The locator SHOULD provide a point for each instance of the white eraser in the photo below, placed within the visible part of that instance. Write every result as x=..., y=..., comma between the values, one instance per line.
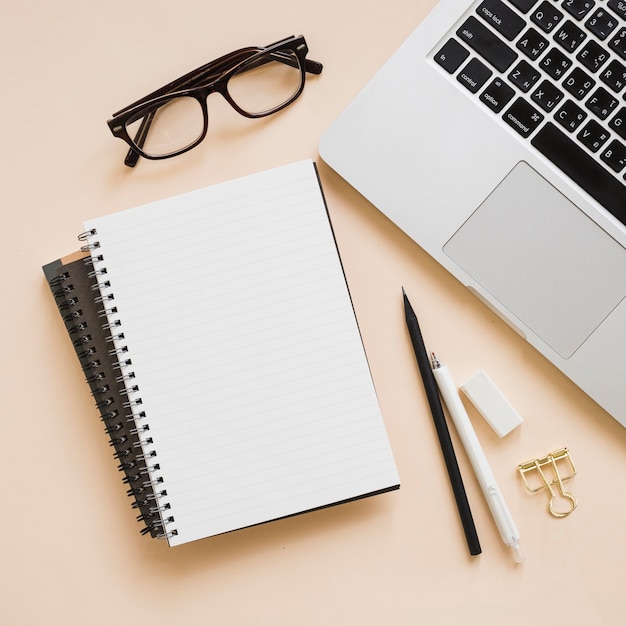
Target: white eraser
x=491, y=404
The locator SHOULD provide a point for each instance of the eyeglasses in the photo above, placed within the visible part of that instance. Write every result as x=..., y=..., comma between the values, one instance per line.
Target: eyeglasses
x=255, y=81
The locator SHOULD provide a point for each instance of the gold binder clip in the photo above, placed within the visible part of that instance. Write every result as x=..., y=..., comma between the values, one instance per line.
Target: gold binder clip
x=553, y=470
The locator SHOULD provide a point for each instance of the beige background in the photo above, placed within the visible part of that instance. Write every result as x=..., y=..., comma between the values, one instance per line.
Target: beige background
x=70, y=547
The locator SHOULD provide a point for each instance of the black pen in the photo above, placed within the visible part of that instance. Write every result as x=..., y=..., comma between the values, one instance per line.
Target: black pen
x=432, y=393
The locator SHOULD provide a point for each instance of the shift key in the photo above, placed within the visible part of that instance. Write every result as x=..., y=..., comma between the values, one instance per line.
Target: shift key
x=487, y=44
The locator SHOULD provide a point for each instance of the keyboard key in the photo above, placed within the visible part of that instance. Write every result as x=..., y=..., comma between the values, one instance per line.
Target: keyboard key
x=593, y=56
x=619, y=6
x=474, y=75
x=487, y=44
x=532, y=44
x=497, y=95
x=601, y=23
x=524, y=75
x=547, y=96
x=523, y=5
x=546, y=16
x=614, y=75
x=523, y=117
x=451, y=56
x=569, y=36
x=578, y=8
x=618, y=43
x=578, y=83
x=593, y=135
x=602, y=103
x=504, y=20
x=570, y=116
x=555, y=63
x=618, y=123
x=568, y=156
x=614, y=155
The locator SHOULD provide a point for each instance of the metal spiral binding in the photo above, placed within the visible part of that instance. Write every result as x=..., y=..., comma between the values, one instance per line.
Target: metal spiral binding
x=75, y=285
x=126, y=423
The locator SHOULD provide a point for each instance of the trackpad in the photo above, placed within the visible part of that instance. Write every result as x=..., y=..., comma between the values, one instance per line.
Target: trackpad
x=543, y=259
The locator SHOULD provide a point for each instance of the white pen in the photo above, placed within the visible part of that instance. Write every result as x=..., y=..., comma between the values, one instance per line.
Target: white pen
x=486, y=479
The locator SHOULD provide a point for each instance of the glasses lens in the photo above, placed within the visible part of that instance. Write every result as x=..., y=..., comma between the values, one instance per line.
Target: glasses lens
x=167, y=127
x=267, y=83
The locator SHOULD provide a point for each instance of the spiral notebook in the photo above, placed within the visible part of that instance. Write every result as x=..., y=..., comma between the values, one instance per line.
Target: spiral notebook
x=218, y=337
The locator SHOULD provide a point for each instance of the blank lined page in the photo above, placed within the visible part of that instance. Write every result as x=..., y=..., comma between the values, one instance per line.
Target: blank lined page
x=247, y=362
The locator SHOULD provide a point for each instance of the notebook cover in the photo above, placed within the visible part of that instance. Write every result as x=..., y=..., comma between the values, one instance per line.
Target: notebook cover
x=75, y=292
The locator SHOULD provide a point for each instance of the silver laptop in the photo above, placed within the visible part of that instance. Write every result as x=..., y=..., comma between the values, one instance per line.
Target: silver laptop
x=495, y=137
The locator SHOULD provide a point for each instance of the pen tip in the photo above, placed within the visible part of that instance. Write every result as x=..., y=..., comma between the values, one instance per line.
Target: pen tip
x=408, y=309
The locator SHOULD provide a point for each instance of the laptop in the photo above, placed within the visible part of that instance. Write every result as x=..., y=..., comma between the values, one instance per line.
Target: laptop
x=495, y=137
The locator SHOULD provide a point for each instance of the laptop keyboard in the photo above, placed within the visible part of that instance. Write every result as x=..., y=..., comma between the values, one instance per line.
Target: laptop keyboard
x=555, y=73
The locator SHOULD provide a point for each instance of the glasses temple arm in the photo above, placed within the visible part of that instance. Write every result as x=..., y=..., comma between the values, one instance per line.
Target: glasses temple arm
x=213, y=69
x=313, y=67
x=195, y=76
x=132, y=156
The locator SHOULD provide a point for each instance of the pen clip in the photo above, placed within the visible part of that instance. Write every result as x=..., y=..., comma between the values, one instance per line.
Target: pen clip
x=552, y=461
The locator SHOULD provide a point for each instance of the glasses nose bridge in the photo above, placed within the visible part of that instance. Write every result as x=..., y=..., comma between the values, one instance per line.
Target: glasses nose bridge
x=219, y=86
